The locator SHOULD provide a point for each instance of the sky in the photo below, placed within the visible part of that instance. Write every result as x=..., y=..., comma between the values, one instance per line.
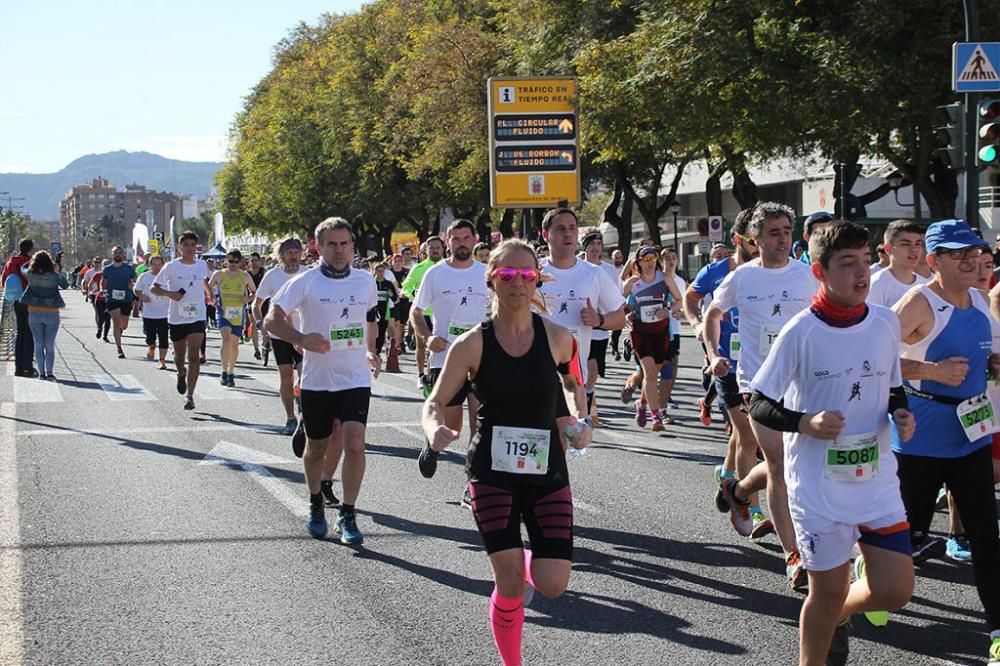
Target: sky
x=164, y=76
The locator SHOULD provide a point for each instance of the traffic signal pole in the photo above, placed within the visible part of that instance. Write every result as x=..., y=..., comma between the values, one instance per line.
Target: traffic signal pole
x=971, y=125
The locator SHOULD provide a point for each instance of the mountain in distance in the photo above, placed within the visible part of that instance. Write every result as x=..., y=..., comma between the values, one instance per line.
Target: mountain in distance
x=44, y=191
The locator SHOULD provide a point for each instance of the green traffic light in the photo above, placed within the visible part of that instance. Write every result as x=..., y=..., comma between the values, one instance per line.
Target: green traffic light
x=988, y=154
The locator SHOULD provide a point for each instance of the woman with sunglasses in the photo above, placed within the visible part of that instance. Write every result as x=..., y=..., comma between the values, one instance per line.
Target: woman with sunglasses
x=516, y=463
x=646, y=293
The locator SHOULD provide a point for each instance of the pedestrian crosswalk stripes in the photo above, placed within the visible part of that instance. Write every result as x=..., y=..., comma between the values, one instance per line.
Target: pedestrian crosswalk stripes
x=123, y=387
x=27, y=389
x=209, y=388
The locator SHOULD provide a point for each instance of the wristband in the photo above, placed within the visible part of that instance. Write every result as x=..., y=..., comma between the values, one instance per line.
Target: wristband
x=600, y=320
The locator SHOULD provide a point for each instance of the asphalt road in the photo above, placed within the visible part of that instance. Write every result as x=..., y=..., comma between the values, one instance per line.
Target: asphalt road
x=134, y=532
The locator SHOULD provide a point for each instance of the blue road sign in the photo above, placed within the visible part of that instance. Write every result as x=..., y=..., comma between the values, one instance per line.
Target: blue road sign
x=56, y=247
x=975, y=67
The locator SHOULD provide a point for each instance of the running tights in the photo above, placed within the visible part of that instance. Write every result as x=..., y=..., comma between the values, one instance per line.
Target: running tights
x=507, y=622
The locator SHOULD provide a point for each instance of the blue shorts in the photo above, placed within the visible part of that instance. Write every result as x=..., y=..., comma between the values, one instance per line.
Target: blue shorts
x=235, y=329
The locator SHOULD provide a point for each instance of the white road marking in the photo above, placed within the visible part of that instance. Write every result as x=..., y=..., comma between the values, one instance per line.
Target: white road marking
x=153, y=430
x=123, y=387
x=209, y=388
x=11, y=612
x=249, y=460
x=27, y=389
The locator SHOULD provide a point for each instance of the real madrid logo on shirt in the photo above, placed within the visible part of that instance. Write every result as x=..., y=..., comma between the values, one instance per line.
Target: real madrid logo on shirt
x=344, y=315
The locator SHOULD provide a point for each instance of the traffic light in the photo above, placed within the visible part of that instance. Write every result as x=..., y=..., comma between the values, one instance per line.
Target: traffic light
x=988, y=153
x=951, y=135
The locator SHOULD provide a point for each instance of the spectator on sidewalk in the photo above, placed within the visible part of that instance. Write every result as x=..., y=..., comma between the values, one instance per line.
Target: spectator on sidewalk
x=14, y=284
x=43, y=300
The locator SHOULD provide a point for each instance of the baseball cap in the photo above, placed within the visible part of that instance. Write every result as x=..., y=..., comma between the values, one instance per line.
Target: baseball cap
x=799, y=244
x=817, y=218
x=951, y=235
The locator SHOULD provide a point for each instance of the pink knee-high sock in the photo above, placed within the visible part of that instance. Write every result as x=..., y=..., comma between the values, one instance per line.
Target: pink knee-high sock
x=507, y=623
x=527, y=568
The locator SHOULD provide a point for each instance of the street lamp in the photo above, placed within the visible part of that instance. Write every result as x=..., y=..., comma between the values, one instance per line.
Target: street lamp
x=675, y=208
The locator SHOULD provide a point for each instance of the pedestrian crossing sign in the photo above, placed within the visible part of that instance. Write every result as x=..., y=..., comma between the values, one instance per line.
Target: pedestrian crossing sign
x=975, y=67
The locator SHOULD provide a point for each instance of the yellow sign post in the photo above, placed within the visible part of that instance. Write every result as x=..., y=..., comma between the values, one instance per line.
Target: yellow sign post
x=154, y=248
x=534, y=142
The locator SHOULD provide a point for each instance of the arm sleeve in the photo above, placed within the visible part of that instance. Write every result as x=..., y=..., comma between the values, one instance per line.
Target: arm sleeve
x=573, y=366
x=771, y=413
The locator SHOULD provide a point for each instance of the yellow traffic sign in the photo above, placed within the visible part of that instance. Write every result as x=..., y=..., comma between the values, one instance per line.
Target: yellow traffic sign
x=534, y=142
x=154, y=248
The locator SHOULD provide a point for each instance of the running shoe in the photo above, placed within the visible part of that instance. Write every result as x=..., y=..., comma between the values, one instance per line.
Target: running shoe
x=467, y=498
x=666, y=417
x=618, y=356
x=942, y=500
x=720, y=498
x=928, y=547
x=106, y=338
x=223, y=379
x=739, y=511
x=626, y=394
x=640, y=413
x=347, y=527
x=326, y=488
x=299, y=439
x=995, y=651
x=627, y=350
x=957, y=549
x=420, y=382
x=121, y=353
x=427, y=462
x=411, y=342
x=256, y=354
x=189, y=403
x=657, y=423
x=317, y=521
x=290, y=426
x=704, y=412
x=182, y=385
x=163, y=366
x=762, y=526
x=672, y=404
x=98, y=336
x=798, y=579
x=876, y=618
x=839, y=646
x=232, y=380
x=202, y=360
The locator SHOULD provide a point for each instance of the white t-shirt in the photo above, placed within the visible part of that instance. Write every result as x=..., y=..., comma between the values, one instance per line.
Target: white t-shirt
x=675, y=323
x=458, y=299
x=816, y=367
x=158, y=305
x=271, y=284
x=886, y=289
x=567, y=293
x=767, y=298
x=600, y=333
x=337, y=309
x=177, y=275
x=875, y=268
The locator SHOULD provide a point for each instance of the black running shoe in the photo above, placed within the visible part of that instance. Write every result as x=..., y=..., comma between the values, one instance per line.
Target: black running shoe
x=189, y=403
x=839, y=646
x=467, y=498
x=427, y=462
x=121, y=353
x=299, y=440
x=232, y=380
x=223, y=379
x=256, y=355
x=928, y=547
x=326, y=487
x=182, y=385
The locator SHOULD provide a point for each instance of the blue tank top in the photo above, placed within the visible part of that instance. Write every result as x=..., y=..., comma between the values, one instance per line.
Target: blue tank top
x=962, y=332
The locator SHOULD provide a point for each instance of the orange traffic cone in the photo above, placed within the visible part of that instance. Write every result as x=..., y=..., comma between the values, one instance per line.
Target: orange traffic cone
x=392, y=363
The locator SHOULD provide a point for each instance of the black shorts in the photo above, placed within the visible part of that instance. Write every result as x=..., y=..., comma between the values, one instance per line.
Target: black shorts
x=285, y=353
x=729, y=390
x=124, y=306
x=156, y=331
x=456, y=400
x=598, y=352
x=547, y=512
x=651, y=344
x=674, y=347
x=401, y=310
x=181, y=331
x=320, y=408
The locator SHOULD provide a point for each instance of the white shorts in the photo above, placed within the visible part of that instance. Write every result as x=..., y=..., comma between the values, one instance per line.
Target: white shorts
x=826, y=544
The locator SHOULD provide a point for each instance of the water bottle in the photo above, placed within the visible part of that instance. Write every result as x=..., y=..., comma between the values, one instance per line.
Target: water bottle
x=574, y=430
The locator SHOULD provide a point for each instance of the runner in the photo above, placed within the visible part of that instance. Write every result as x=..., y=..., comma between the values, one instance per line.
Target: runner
x=400, y=312
x=517, y=465
x=455, y=291
x=336, y=306
x=813, y=223
x=117, y=281
x=668, y=371
x=154, y=312
x=695, y=305
x=903, y=241
x=185, y=282
x=833, y=399
x=388, y=296
x=593, y=249
x=96, y=295
x=435, y=251
x=235, y=290
x=947, y=341
x=257, y=272
x=482, y=252
x=768, y=291
x=286, y=357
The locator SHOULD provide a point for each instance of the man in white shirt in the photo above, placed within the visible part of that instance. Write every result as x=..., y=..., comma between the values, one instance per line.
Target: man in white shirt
x=185, y=282
x=456, y=293
x=337, y=331
x=903, y=241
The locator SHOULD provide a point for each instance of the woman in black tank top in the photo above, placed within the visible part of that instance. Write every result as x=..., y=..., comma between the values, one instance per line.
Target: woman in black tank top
x=516, y=462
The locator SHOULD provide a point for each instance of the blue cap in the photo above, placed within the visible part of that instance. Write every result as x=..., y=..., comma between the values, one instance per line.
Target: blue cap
x=817, y=218
x=799, y=243
x=951, y=235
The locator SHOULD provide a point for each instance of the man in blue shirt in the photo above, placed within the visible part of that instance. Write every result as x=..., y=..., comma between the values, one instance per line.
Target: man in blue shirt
x=117, y=281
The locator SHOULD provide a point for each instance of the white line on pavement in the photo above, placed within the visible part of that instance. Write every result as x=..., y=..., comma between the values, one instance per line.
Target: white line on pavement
x=209, y=388
x=253, y=462
x=123, y=387
x=152, y=430
x=11, y=615
x=27, y=389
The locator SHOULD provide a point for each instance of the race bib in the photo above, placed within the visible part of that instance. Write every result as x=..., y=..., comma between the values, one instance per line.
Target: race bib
x=456, y=328
x=383, y=296
x=978, y=417
x=767, y=337
x=347, y=337
x=188, y=309
x=233, y=314
x=649, y=314
x=520, y=450
x=118, y=294
x=852, y=458
x=734, y=347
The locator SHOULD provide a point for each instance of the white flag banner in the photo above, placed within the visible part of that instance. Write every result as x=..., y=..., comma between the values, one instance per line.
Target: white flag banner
x=220, y=230
x=140, y=235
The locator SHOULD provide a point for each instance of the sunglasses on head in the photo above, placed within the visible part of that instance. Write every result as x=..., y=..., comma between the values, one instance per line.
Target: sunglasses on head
x=506, y=274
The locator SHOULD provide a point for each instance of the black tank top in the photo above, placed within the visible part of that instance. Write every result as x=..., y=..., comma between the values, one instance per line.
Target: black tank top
x=516, y=393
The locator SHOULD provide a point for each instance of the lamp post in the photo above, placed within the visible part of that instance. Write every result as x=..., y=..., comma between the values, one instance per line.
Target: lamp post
x=675, y=208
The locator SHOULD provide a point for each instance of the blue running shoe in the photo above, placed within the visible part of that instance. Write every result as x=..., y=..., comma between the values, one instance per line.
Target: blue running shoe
x=347, y=527
x=317, y=521
x=958, y=549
